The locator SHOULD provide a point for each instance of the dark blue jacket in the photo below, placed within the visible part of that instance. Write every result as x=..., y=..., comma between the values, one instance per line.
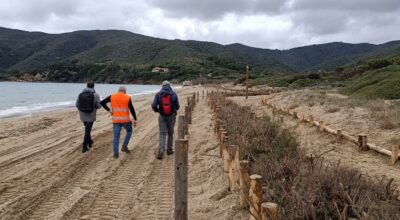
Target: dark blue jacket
x=174, y=99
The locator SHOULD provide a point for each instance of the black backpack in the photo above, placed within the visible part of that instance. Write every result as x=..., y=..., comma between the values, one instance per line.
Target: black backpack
x=86, y=102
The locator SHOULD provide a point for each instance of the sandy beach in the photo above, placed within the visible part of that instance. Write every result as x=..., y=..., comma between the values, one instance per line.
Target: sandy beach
x=44, y=175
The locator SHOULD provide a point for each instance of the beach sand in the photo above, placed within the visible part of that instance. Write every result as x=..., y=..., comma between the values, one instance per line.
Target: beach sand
x=44, y=175
x=333, y=150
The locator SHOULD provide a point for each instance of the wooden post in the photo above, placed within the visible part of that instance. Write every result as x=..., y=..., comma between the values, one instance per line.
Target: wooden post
x=244, y=182
x=311, y=119
x=221, y=143
x=269, y=211
x=362, y=142
x=255, y=195
x=189, y=118
x=247, y=81
x=181, y=127
x=339, y=133
x=186, y=120
x=202, y=97
x=236, y=162
x=232, y=168
x=395, y=154
x=181, y=180
x=321, y=125
x=294, y=114
x=198, y=96
x=225, y=154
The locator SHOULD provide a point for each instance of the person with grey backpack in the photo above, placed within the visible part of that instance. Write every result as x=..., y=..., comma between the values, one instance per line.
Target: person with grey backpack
x=87, y=103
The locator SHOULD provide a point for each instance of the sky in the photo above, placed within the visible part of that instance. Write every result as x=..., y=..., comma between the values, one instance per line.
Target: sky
x=274, y=24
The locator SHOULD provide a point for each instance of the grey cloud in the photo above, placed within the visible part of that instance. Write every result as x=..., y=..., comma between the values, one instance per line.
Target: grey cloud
x=214, y=9
x=36, y=11
x=347, y=5
x=261, y=23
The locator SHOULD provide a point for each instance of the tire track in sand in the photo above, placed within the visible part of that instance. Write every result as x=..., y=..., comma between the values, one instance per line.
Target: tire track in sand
x=121, y=192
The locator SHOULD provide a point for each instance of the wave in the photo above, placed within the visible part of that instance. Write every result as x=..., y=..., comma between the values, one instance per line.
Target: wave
x=34, y=108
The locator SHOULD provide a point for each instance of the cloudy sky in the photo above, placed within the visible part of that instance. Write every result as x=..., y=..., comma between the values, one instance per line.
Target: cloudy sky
x=272, y=24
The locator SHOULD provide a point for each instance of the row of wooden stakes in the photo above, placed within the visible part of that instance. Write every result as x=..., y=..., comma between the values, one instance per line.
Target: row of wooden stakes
x=249, y=186
x=181, y=159
x=361, y=141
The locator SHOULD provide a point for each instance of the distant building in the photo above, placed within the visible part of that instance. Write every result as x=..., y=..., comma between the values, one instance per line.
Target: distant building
x=187, y=83
x=158, y=69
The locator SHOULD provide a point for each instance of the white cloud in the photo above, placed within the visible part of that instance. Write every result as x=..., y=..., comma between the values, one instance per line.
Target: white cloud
x=268, y=24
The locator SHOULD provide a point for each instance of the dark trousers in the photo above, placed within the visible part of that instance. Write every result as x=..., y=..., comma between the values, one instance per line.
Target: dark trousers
x=87, y=140
x=166, y=125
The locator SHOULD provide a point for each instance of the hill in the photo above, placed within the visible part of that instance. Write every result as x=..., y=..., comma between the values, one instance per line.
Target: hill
x=22, y=52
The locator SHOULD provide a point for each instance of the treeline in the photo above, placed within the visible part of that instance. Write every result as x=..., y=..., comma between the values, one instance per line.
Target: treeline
x=212, y=68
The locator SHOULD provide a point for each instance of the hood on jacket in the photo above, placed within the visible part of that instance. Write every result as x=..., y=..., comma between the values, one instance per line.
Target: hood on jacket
x=166, y=89
x=88, y=90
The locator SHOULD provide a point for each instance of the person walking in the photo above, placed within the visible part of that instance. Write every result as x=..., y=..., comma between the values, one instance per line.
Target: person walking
x=87, y=103
x=166, y=103
x=121, y=104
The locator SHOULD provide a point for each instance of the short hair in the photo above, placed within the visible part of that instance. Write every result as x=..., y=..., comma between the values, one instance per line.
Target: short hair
x=122, y=89
x=90, y=85
x=165, y=83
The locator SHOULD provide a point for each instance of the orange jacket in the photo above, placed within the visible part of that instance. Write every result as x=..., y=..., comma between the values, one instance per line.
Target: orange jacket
x=120, y=108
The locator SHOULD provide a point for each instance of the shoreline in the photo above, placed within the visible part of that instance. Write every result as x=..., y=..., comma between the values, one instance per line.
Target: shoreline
x=69, y=109
x=40, y=107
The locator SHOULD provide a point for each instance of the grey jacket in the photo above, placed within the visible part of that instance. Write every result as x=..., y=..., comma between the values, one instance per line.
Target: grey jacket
x=89, y=116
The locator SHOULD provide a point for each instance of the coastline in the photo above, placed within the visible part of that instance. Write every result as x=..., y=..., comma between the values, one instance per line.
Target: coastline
x=12, y=108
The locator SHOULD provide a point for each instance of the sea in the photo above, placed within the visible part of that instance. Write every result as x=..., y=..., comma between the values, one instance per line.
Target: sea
x=26, y=98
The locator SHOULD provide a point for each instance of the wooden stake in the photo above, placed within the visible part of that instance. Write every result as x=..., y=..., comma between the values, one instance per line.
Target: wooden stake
x=232, y=167
x=269, y=211
x=244, y=183
x=247, y=81
x=339, y=133
x=255, y=195
x=395, y=154
x=362, y=142
x=221, y=143
x=295, y=115
x=181, y=127
x=321, y=125
x=311, y=119
x=236, y=162
x=226, y=155
x=181, y=180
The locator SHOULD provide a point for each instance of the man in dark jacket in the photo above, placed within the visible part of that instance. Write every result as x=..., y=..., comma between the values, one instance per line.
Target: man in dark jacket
x=166, y=103
x=88, y=117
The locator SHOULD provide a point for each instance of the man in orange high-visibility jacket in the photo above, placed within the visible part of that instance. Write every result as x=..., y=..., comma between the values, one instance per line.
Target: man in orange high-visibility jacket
x=121, y=104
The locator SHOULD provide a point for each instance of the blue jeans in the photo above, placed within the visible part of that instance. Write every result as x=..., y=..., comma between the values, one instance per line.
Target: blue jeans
x=117, y=132
x=87, y=140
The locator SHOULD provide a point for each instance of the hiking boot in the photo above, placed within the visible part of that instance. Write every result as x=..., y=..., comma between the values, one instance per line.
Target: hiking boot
x=170, y=151
x=125, y=149
x=91, y=144
x=85, y=149
x=116, y=156
x=160, y=155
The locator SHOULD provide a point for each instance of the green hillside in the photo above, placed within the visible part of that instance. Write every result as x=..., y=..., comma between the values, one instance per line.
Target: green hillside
x=122, y=56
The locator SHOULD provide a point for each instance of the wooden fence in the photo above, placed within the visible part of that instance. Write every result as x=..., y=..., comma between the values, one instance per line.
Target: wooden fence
x=361, y=141
x=249, y=186
x=181, y=159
